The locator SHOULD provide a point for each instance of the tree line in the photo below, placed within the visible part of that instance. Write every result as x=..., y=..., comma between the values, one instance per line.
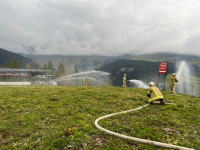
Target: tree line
x=15, y=64
x=60, y=72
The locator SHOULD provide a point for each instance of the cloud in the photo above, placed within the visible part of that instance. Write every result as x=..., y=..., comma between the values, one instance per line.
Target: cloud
x=102, y=27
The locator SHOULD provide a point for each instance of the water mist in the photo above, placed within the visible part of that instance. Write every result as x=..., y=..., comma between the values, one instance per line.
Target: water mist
x=95, y=78
x=138, y=84
x=184, y=85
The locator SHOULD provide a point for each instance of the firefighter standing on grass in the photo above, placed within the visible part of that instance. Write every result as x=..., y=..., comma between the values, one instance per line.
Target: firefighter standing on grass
x=124, y=81
x=154, y=94
x=173, y=83
x=85, y=82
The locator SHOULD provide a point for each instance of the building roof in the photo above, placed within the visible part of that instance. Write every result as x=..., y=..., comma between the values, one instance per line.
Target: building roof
x=23, y=70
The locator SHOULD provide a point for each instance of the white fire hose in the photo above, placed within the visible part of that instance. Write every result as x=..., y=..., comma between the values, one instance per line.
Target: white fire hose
x=134, y=138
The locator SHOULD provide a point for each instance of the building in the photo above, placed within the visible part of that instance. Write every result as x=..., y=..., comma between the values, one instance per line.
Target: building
x=14, y=76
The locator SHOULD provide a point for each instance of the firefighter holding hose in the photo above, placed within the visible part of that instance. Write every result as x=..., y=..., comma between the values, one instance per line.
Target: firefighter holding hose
x=173, y=83
x=154, y=94
x=124, y=81
x=85, y=82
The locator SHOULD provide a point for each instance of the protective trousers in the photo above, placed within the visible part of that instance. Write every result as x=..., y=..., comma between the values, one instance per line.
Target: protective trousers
x=85, y=84
x=124, y=84
x=173, y=87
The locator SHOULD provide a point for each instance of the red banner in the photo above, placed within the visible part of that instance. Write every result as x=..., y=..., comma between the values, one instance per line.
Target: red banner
x=14, y=74
x=163, y=67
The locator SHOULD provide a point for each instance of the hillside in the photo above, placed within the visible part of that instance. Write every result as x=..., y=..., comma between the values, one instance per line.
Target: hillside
x=162, y=57
x=84, y=62
x=7, y=56
x=52, y=117
x=90, y=62
x=144, y=70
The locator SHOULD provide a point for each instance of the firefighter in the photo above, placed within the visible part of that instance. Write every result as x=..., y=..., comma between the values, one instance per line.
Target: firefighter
x=124, y=81
x=85, y=82
x=41, y=83
x=154, y=94
x=173, y=83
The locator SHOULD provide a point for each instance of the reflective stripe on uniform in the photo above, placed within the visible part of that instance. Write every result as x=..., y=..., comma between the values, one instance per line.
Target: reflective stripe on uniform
x=157, y=97
x=155, y=92
x=148, y=92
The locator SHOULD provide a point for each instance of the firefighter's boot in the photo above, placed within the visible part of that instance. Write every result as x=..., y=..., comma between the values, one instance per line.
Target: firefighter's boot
x=162, y=103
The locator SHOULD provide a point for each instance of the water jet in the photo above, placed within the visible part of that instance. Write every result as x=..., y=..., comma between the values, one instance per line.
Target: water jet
x=138, y=84
x=96, y=78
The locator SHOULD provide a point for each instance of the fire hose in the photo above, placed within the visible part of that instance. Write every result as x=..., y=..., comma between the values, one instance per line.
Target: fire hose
x=134, y=138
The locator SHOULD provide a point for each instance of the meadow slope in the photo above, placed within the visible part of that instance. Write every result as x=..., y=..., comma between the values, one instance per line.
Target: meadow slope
x=53, y=117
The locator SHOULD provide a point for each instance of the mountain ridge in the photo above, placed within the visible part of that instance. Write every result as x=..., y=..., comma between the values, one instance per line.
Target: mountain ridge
x=8, y=56
x=170, y=57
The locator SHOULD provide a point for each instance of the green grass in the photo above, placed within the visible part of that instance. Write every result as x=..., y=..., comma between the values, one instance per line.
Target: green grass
x=53, y=117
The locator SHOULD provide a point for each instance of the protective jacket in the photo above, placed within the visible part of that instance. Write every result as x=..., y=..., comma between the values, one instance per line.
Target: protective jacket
x=85, y=80
x=174, y=79
x=124, y=79
x=154, y=94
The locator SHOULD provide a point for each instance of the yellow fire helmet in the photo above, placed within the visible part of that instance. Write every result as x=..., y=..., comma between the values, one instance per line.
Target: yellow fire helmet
x=152, y=83
x=174, y=74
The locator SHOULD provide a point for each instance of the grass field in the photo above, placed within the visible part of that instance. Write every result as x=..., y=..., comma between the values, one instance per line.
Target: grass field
x=53, y=117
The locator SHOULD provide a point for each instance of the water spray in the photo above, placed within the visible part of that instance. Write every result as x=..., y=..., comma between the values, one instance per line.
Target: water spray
x=97, y=77
x=183, y=85
x=181, y=69
x=139, y=84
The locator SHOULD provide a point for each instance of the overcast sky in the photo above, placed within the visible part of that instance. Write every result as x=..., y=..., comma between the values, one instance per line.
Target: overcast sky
x=105, y=27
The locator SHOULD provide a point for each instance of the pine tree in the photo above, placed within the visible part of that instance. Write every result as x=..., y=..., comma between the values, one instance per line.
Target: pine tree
x=39, y=67
x=45, y=67
x=76, y=70
x=61, y=71
x=14, y=64
x=28, y=67
x=6, y=65
x=51, y=67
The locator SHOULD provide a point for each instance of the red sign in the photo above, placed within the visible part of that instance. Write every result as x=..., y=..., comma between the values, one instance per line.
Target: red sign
x=14, y=74
x=163, y=67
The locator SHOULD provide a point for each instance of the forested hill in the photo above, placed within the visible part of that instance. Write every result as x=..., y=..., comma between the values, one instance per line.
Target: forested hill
x=83, y=62
x=140, y=70
x=170, y=57
x=7, y=56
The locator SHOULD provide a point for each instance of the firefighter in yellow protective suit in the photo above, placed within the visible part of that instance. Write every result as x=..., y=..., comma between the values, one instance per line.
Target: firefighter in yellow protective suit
x=85, y=82
x=124, y=81
x=41, y=83
x=155, y=95
x=173, y=83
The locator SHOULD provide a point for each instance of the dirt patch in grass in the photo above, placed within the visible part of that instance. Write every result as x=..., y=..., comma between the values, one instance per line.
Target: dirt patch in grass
x=25, y=135
x=98, y=140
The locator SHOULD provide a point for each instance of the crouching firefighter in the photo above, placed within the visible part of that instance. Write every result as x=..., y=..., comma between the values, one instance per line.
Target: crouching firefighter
x=155, y=95
x=85, y=82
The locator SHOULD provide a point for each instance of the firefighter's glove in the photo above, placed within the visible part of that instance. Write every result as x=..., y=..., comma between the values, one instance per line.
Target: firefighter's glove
x=148, y=95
